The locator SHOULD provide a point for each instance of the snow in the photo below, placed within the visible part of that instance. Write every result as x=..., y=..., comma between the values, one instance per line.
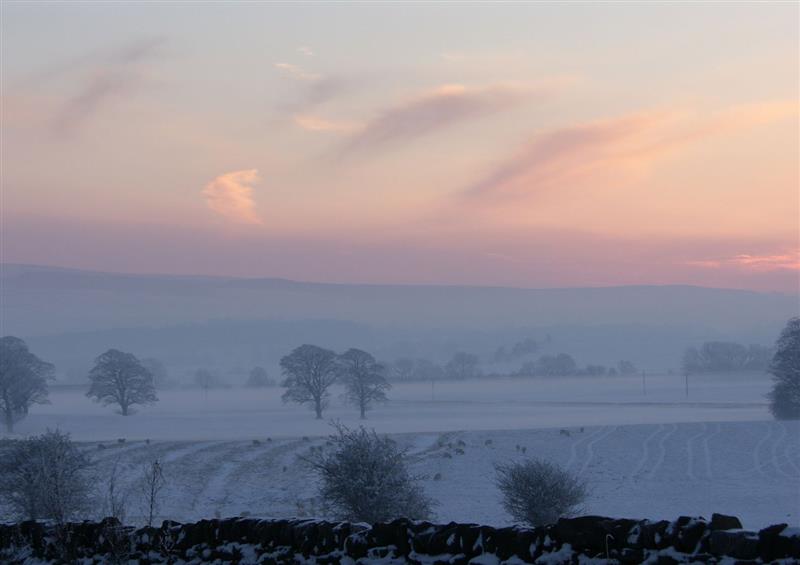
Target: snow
x=656, y=456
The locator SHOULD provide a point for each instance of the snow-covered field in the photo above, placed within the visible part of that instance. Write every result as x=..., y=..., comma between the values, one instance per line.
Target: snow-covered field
x=657, y=455
x=499, y=404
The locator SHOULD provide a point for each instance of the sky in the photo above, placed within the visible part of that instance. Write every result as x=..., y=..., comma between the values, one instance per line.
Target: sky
x=527, y=145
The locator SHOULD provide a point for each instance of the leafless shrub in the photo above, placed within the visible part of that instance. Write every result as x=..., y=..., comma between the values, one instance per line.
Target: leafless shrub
x=539, y=492
x=364, y=477
x=152, y=483
x=45, y=477
x=115, y=499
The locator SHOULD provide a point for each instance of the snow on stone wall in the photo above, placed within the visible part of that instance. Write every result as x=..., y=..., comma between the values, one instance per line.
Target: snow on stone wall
x=244, y=541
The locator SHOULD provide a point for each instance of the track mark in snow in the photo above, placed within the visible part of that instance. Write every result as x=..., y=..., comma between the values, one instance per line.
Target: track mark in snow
x=662, y=450
x=775, y=459
x=114, y=451
x=757, y=450
x=790, y=457
x=188, y=451
x=607, y=432
x=217, y=489
x=573, y=448
x=690, y=452
x=646, y=451
x=707, y=450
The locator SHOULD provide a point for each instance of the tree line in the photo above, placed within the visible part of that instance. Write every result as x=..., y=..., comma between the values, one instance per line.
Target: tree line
x=726, y=356
x=121, y=379
x=309, y=371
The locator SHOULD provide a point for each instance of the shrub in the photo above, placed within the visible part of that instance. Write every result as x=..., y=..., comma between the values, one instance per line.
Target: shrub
x=539, y=492
x=364, y=478
x=45, y=477
x=785, y=369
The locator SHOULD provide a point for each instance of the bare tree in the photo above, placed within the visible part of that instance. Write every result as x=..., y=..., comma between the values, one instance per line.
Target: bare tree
x=626, y=368
x=152, y=483
x=363, y=378
x=159, y=371
x=462, y=366
x=115, y=504
x=365, y=478
x=725, y=356
x=538, y=492
x=23, y=380
x=785, y=369
x=309, y=372
x=119, y=378
x=403, y=369
x=259, y=378
x=45, y=477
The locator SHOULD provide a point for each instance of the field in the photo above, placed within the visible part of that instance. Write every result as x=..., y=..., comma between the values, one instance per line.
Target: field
x=659, y=455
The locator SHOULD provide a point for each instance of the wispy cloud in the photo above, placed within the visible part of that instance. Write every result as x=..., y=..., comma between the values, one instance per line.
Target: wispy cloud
x=305, y=50
x=315, y=123
x=113, y=75
x=617, y=145
x=754, y=262
x=437, y=109
x=231, y=196
x=297, y=72
x=566, y=152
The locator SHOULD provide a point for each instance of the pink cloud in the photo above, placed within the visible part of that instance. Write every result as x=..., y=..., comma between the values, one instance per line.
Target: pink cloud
x=297, y=72
x=231, y=196
x=617, y=146
x=437, y=109
x=315, y=123
x=772, y=262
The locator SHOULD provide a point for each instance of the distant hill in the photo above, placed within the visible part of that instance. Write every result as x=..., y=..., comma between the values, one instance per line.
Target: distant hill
x=72, y=315
x=43, y=300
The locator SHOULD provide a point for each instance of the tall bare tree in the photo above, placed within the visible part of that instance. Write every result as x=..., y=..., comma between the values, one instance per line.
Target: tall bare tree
x=115, y=503
x=363, y=379
x=120, y=378
x=23, y=380
x=152, y=483
x=309, y=372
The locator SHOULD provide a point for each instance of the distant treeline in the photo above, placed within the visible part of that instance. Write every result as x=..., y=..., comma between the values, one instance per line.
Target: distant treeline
x=464, y=366
x=726, y=356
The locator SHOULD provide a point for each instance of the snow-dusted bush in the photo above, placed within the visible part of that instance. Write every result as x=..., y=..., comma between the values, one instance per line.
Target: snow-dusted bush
x=45, y=477
x=785, y=368
x=539, y=492
x=364, y=477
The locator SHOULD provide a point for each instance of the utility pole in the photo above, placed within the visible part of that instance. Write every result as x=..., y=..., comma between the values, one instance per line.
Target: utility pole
x=644, y=383
x=686, y=376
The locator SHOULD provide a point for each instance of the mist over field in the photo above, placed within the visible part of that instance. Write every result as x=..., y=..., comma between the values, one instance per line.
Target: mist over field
x=70, y=316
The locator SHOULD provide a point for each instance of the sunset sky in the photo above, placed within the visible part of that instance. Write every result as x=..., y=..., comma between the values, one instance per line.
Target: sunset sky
x=531, y=145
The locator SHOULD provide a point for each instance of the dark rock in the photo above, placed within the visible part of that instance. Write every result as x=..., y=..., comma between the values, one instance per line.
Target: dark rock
x=631, y=555
x=688, y=534
x=774, y=542
x=724, y=522
x=738, y=544
x=596, y=535
x=328, y=543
